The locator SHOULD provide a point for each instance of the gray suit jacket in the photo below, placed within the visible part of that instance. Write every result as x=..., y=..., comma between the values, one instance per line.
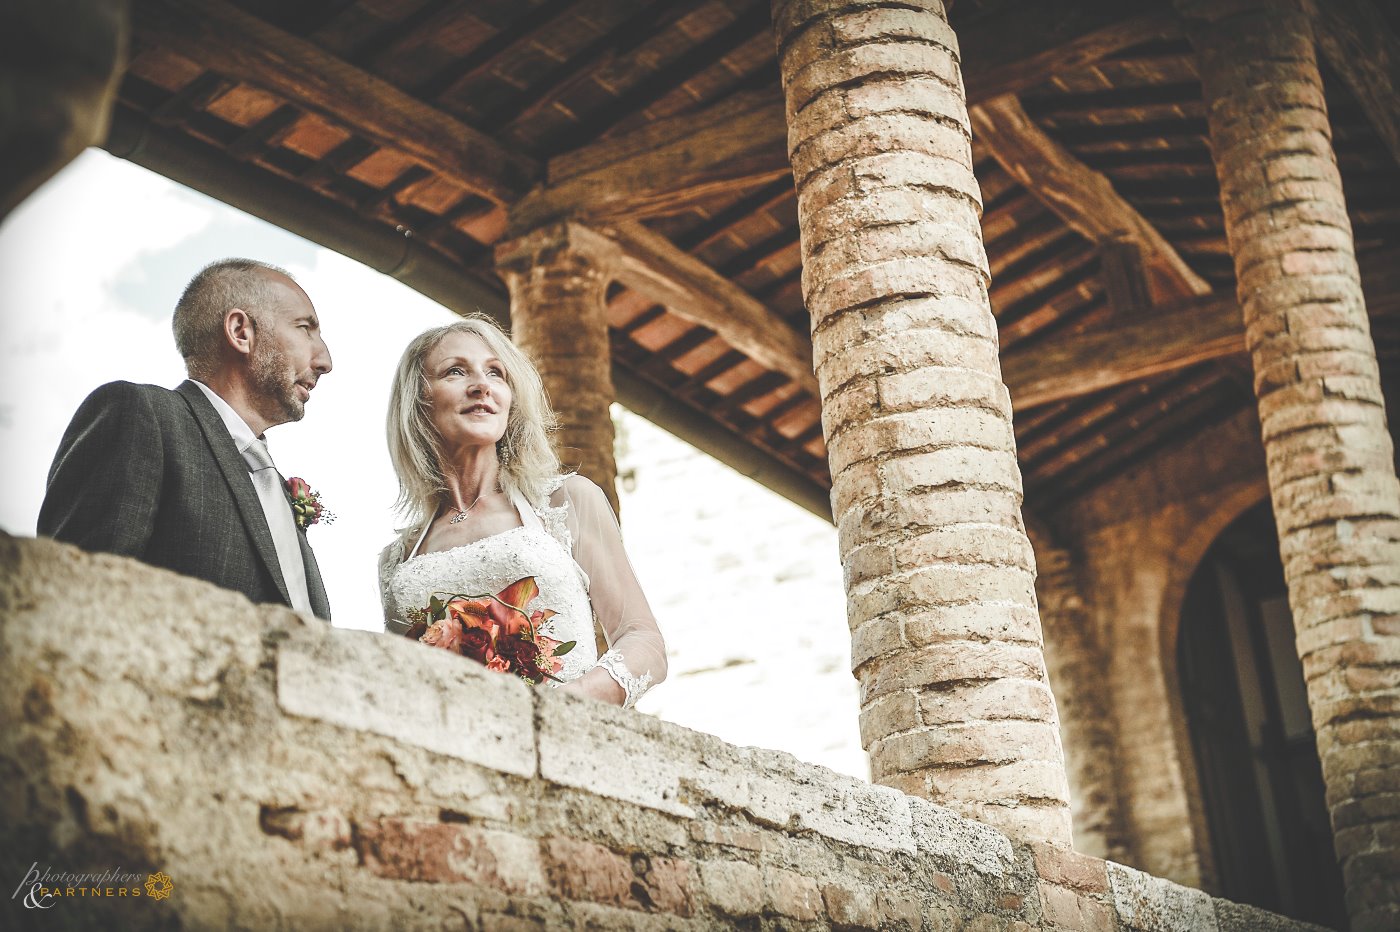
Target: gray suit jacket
x=151, y=473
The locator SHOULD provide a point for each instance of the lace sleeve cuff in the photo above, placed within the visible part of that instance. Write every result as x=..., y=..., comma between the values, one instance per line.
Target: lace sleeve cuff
x=634, y=686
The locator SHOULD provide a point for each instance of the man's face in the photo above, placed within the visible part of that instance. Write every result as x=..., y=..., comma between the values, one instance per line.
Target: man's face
x=288, y=354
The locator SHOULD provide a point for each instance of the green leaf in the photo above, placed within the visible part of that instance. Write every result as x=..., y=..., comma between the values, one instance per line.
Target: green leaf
x=564, y=648
x=436, y=608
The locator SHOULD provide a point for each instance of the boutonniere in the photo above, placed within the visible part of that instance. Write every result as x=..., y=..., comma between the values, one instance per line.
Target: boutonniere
x=306, y=504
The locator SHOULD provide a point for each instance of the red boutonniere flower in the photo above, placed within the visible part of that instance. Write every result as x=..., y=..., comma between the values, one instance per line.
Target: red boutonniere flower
x=306, y=504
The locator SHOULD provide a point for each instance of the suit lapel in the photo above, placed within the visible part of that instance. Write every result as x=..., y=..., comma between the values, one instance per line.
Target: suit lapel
x=235, y=472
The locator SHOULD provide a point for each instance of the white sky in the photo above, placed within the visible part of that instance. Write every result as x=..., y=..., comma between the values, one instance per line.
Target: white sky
x=747, y=586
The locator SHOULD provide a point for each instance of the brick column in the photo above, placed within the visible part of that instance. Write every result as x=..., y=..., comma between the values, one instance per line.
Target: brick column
x=1330, y=459
x=558, y=282
x=926, y=488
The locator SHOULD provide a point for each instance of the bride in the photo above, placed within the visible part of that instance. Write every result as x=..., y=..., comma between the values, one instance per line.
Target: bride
x=469, y=430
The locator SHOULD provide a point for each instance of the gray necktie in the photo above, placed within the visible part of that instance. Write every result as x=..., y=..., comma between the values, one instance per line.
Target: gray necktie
x=280, y=521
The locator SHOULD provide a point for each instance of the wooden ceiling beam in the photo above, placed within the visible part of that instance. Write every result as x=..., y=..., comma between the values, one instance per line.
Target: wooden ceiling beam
x=649, y=263
x=672, y=163
x=1084, y=198
x=665, y=166
x=1171, y=338
x=239, y=45
x=1022, y=44
x=1080, y=364
x=1358, y=42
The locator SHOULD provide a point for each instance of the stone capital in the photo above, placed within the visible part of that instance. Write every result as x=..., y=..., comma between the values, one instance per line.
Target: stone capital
x=558, y=243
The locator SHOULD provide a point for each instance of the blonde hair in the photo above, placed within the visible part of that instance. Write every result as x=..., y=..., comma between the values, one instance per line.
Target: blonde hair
x=527, y=458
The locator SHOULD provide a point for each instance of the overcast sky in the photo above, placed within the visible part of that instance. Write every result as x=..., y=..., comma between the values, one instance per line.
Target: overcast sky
x=90, y=268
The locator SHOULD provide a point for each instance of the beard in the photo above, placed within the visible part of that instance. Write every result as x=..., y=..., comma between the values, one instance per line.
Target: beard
x=276, y=384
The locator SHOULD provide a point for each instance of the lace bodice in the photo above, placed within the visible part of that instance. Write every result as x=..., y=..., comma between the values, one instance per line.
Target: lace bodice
x=571, y=544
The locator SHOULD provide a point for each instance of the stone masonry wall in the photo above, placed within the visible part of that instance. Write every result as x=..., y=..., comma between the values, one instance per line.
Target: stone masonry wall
x=284, y=773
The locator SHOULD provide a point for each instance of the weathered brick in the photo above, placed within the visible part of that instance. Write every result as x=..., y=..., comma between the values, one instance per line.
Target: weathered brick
x=734, y=887
x=957, y=308
x=881, y=24
x=841, y=66
x=1032, y=782
x=792, y=894
x=580, y=870
x=895, y=279
x=437, y=852
x=875, y=638
x=999, y=699
x=952, y=662
x=851, y=906
x=1068, y=868
x=1015, y=623
x=962, y=544
x=887, y=715
x=908, y=350
x=972, y=744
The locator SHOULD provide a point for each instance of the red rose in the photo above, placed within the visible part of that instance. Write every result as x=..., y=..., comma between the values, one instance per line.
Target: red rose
x=475, y=643
x=517, y=649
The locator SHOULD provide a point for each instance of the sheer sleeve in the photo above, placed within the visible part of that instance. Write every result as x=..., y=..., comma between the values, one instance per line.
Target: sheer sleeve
x=389, y=558
x=634, y=640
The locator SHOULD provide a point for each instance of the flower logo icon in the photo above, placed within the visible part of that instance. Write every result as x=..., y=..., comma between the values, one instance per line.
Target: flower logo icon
x=159, y=885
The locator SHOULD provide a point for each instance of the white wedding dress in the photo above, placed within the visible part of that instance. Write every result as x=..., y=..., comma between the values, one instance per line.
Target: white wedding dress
x=572, y=545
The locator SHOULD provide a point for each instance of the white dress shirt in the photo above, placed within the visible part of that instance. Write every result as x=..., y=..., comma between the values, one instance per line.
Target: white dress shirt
x=276, y=507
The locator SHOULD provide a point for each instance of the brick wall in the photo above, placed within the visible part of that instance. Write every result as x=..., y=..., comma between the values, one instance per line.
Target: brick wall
x=284, y=773
x=1138, y=539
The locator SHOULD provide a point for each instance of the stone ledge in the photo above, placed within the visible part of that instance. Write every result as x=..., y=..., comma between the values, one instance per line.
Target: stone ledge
x=286, y=773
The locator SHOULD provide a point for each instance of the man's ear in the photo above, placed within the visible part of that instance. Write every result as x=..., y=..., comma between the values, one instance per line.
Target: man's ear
x=238, y=330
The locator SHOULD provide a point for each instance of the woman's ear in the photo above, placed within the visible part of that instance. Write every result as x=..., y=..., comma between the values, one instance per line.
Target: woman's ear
x=238, y=330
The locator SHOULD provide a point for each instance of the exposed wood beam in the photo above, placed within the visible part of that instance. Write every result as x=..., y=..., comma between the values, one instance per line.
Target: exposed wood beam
x=1022, y=44
x=239, y=45
x=664, y=166
x=1171, y=338
x=1075, y=365
x=651, y=264
x=1357, y=41
x=668, y=165
x=1079, y=195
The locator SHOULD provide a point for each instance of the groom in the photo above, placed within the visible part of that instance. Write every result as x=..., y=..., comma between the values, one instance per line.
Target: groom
x=182, y=479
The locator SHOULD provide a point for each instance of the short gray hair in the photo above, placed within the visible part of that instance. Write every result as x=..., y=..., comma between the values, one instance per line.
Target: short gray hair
x=199, y=314
x=528, y=460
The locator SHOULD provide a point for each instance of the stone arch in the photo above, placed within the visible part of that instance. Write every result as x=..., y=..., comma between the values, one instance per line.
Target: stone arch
x=1185, y=559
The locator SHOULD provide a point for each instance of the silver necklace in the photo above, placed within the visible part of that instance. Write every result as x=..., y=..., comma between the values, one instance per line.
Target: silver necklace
x=462, y=515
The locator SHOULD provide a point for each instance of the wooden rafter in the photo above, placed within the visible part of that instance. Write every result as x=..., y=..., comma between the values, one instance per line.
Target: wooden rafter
x=1359, y=44
x=665, y=166
x=246, y=48
x=1075, y=365
x=1079, y=195
x=653, y=265
x=1015, y=48
x=1171, y=338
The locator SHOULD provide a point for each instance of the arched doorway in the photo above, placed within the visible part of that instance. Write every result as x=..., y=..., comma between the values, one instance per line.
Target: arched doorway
x=1247, y=712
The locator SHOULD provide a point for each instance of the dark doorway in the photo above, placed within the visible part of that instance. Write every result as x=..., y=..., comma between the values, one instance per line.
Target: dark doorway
x=1247, y=711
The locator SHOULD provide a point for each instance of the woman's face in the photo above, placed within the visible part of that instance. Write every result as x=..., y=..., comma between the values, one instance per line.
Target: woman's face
x=469, y=393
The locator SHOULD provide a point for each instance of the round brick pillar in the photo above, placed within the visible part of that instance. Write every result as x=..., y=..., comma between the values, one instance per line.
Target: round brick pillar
x=1330, y=459
x=926, y=491
x=558, y=316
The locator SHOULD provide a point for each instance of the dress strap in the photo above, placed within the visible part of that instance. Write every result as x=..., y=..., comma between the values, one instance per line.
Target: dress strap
x=528, y=517
x=421, y=537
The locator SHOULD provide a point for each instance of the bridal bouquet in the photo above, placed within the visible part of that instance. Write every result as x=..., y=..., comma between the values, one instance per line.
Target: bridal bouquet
x=495, y=630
